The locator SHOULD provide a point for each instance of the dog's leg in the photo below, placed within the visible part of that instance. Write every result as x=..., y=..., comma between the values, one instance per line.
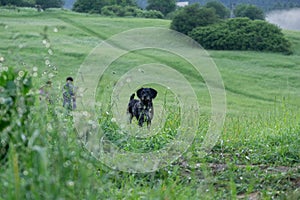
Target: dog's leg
x=148, y=124
x=130, y=118
x=141, y=118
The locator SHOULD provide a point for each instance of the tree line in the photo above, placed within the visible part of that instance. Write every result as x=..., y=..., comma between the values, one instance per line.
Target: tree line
x=41, y=4
x=265, y=5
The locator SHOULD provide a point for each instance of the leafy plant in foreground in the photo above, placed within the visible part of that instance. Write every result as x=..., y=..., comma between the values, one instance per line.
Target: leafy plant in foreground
x=15, y=105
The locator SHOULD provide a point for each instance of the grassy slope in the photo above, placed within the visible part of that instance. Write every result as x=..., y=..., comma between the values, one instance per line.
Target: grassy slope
x=253, y=80
x=262, y=96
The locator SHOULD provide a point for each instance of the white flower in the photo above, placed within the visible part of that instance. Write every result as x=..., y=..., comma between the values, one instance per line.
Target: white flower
x=21, y=73
x=70, y=183
x=47, y=62
x=48, y=45
x=50, y=51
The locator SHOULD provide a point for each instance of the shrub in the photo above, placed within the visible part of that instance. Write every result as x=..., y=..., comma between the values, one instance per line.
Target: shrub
x=113, y=10
x=242, y=34
x=120, y=11
x=193, y=16
x=151, y=14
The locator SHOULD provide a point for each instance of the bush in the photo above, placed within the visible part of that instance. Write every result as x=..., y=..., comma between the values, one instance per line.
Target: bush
x=242, y=34
x=120, y=11
x=15, y=103
x=113, y=10
x=151, y=14
x=193, y=16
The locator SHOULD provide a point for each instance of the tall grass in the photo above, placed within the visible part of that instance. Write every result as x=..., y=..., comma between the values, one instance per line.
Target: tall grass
x=257, y=155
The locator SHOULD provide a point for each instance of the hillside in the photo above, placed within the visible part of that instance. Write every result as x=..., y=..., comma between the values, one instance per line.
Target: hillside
x=251, y=154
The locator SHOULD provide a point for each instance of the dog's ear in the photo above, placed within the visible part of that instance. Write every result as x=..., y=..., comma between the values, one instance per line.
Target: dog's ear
x=139, y=92
x=153, y=93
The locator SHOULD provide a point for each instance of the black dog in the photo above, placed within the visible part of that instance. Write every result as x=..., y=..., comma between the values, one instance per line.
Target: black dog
x=142, y=109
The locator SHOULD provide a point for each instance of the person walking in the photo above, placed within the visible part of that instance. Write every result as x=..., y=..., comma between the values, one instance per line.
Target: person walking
x=69, y=98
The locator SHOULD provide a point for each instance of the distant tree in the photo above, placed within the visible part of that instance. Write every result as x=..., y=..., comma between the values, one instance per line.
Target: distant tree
x=123, y=2
x=29, y=3
x=222, y=11
x=10, y=2
x=193, y=16
x=250, y=11
x=89, y=5
x=50, y=3
x=164, y=6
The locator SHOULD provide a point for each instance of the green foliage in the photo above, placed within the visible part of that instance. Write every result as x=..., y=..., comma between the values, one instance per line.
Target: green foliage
x=164, y=7
x=49, y=3
x=154, y=14
x=32, y=3
x=193, y=16
x=124, y=2
x=11, y=2
x=90, y=6
x=251, y=11
x=114, y=10
x=15, y=106
x=95, y=6
x=15, y=96
x=121, y=11
x=242, y=34
x=222, y=11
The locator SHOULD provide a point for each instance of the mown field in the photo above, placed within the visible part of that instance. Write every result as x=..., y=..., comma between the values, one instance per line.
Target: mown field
x=257, y=155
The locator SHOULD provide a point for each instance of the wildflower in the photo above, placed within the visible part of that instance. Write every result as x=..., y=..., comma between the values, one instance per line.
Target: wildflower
x=21, y=73
x=47, y=62
x=70, y=183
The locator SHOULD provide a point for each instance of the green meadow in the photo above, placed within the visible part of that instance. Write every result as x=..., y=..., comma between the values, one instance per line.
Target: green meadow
x=256, y=156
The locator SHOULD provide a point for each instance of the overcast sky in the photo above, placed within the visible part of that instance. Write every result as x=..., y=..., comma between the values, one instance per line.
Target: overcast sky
x=286, y=19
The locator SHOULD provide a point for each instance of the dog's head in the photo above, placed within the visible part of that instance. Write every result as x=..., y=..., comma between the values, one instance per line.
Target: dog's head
x=146, y=94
